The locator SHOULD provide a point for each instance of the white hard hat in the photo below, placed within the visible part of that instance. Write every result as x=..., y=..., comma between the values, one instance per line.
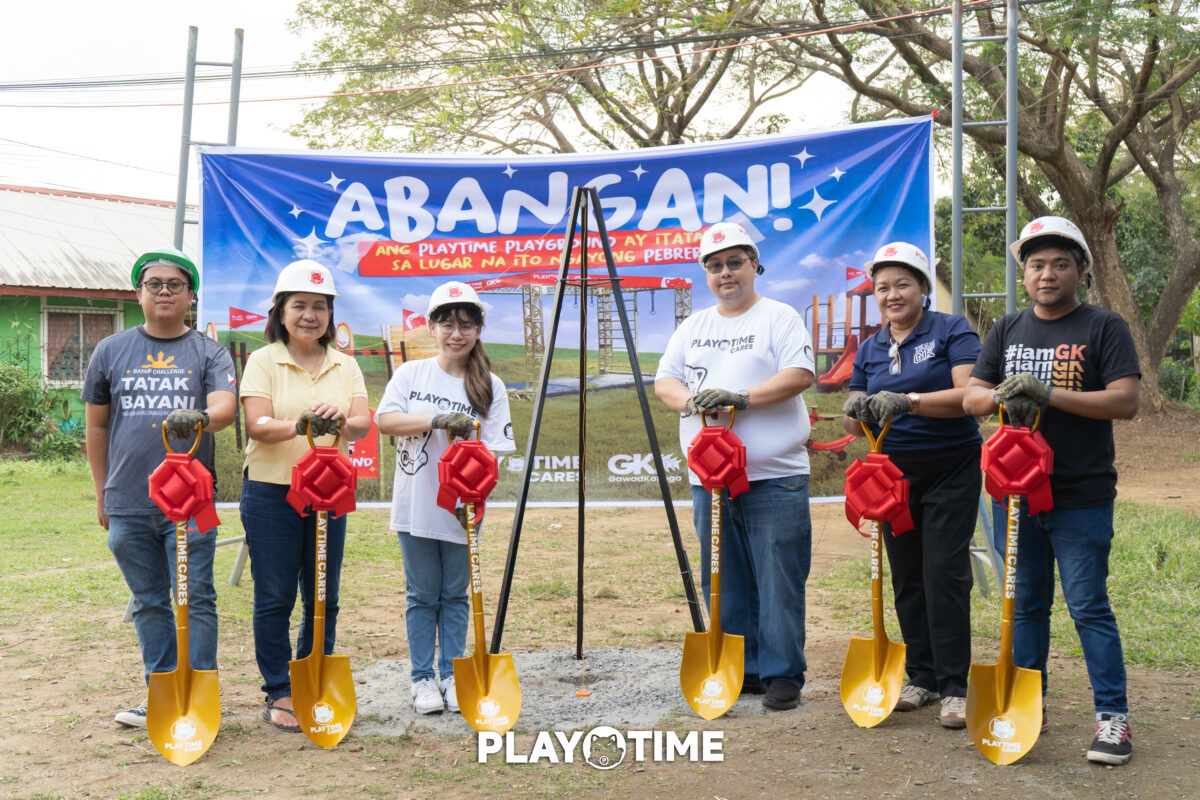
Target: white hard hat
x=903, y=253
x=453, y=292
x=723, y=236
x=1052, y=226
x=304, y=275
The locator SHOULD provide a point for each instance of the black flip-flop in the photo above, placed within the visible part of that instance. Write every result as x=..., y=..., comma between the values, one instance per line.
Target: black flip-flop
x=266, y=717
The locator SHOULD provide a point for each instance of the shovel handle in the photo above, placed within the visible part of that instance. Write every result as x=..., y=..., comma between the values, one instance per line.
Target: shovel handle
x=719, y=410
x=1036, y=420
x=195, y=444
x=478, y=430
x=876, y=441
x=312, y=444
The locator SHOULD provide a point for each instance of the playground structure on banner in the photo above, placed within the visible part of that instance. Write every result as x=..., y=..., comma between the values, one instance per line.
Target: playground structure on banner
x=838, y=342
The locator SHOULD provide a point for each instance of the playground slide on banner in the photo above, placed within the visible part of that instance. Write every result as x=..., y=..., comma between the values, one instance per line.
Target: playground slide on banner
x=839, y=374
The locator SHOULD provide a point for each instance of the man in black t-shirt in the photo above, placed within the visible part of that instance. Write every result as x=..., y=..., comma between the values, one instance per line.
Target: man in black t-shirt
x=1075, y=363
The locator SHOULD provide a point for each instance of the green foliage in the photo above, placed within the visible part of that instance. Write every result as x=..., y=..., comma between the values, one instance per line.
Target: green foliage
x=23, y=404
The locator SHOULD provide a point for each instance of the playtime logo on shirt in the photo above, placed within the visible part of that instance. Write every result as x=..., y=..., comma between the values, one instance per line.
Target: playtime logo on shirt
x=734, y=345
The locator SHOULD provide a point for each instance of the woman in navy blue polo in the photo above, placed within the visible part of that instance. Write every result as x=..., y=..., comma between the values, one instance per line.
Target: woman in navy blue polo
x=915, y=370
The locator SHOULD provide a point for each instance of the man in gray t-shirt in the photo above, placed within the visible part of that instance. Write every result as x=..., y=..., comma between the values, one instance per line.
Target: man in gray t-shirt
x=159, y=374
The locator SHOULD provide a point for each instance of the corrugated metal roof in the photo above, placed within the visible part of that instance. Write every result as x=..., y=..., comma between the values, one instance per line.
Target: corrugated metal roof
x=54, y=239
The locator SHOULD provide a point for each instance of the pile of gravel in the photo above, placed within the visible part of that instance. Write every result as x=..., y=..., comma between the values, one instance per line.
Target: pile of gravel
x=631, y=689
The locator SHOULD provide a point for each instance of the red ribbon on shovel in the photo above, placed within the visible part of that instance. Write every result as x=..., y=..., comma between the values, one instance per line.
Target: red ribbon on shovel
x=718, y=458
x=876, y=489
x=1019, y=461
x=468, y=472
x=183, y=488
x=325, y=479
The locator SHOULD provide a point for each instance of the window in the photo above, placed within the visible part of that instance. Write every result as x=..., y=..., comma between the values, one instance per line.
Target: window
x=71, y=336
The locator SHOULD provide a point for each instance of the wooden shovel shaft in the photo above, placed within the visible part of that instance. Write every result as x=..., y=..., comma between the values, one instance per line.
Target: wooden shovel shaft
x=182, y=654
x=320, y=582
x=714, y=590
x=476, y=591
x=1008, y=607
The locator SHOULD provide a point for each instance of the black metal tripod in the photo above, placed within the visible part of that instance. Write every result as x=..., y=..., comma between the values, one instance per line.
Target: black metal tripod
x=585, y=201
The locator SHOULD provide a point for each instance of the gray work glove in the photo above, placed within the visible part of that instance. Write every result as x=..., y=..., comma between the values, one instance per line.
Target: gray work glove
x=858, y=408
x=888, y=404
x=312, y=422
x=1021, y=411
x=455, y=424
x=1022, y=384
x=710, y=399
x=181, y=422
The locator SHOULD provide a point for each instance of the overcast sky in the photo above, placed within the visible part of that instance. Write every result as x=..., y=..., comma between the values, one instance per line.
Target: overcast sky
x=75, y=39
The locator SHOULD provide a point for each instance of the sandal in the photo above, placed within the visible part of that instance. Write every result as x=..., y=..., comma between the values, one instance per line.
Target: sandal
x=266, y=717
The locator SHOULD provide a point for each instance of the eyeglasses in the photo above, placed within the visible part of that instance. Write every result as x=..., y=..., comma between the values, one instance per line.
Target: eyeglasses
x=174, y=286
x=894, y=355
x=449, y=326
x=734, y=264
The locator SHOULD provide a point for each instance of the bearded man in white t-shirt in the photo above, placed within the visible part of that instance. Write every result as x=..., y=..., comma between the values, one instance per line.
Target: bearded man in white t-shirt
x=754, y=354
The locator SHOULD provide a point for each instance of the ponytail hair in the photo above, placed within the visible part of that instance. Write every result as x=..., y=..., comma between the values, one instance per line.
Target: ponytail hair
x=478, y=382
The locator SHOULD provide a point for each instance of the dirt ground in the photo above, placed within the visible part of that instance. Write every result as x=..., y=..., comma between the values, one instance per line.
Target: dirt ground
x=58, y=737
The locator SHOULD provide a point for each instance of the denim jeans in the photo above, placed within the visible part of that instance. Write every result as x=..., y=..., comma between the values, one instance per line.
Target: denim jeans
x=766, y=536
x=144, y=549
x=436, y=574
x=283, y=557
x=1079, y=539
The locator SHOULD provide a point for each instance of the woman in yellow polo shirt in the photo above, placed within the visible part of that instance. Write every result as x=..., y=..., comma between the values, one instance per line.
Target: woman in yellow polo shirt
x=295, y=383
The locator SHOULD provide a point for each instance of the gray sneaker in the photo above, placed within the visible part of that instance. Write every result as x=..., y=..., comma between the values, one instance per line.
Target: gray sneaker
x=134, y=717
x=954, y=712
x=913, y=697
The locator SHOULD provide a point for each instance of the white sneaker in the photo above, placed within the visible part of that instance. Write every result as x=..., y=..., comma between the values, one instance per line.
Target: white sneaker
x=134, y=717
x=448, y=694
x=426, y=697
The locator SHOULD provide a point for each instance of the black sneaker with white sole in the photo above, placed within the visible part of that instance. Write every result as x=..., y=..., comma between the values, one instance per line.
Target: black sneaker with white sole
x=134, y=717
x=1114, y=741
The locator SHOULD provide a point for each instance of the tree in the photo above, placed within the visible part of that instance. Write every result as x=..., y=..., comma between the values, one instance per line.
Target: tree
x=452, y=45
x=1105, y=91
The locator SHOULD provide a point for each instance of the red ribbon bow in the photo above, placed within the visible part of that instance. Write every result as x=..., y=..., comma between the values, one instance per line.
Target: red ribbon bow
x=467, y=471
x=877, y=489
x=1019, y=461
x=324, y=479
x=718, y=458
x=183, y=489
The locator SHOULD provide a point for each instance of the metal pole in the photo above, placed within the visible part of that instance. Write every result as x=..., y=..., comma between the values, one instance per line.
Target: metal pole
x=1010, y=148
x=582, y=472
x=189, y=87
x=956, y=117
x=235, y=86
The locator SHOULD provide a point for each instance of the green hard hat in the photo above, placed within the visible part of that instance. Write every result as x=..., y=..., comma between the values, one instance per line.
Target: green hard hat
x=172, y=255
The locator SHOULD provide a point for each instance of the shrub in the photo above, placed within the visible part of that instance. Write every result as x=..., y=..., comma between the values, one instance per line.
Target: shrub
x=1174, y=379
x=24, y=404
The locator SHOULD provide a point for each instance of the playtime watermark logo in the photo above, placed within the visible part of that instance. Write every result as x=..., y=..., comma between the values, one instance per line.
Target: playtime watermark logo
x=604, y=747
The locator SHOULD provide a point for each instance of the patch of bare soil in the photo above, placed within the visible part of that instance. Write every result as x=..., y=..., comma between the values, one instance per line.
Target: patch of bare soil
x=58, y=738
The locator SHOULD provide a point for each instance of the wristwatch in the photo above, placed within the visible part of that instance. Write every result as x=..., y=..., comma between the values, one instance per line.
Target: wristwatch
x=914, y=400
x=745, y=395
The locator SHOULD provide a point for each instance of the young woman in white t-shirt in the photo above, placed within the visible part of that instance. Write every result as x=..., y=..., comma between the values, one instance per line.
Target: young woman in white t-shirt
x=424, y=398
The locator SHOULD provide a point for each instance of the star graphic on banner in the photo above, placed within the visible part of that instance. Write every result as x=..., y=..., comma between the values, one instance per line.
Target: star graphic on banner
x=334, y=181
x=639, y=171
x=818, y=204
x=803, y=156
x=311, y=241
x=508, y=170
x=296, y=211
x=836, y=174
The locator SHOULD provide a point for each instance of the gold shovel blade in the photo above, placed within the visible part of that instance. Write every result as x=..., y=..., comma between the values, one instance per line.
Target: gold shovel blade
x=489, y=696
x=869, y=695
x=323, y=694
x=183, y=713
x=1004, y=731
x=712, y=691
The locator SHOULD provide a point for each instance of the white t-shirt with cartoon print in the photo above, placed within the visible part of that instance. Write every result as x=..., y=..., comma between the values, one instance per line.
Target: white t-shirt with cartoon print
x=710, y=351
x=423, y=387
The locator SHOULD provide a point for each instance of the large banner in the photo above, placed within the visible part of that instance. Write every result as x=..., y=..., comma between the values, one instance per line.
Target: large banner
x=393, y=227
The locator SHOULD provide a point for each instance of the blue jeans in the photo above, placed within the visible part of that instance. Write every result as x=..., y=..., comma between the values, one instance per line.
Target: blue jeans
x=283, y=557
x=1079, y=539
x=144, y=549
x=436, y=574
x=766, y=535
